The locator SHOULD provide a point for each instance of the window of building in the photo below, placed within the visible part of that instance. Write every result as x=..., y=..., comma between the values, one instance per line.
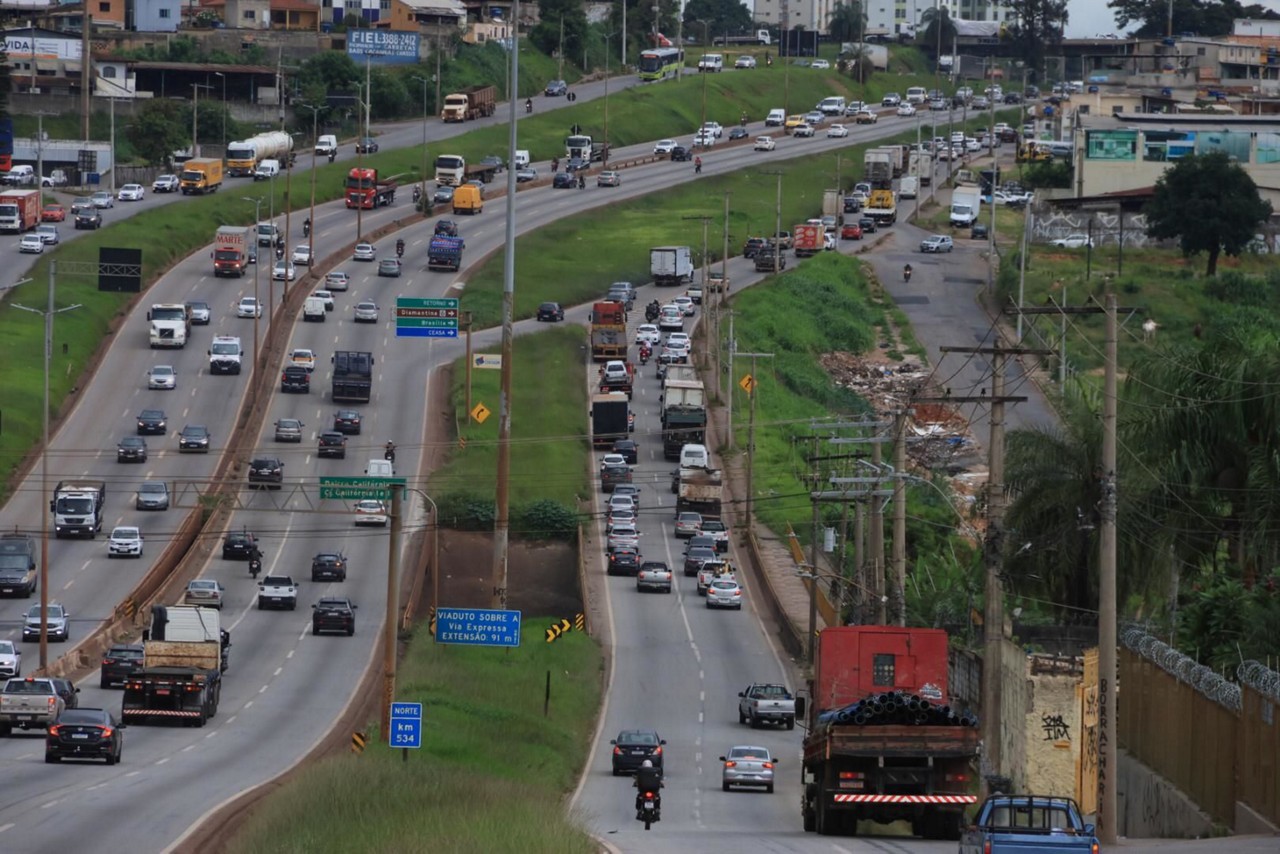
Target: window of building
x=109, y=72
x=164, y=13
x=104, y=7
x=1233, y=144
x=1268, y=148
x=1160, y=145
x=248, y=14
x=1111, y=145
x=882, y=669
x=385, y=5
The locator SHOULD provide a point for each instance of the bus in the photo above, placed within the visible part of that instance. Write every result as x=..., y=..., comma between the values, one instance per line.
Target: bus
x=661, y=62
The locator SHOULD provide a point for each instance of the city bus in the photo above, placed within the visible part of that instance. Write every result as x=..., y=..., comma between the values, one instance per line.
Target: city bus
x=660, y=62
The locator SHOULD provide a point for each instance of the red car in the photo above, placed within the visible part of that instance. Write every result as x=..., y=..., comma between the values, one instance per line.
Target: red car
x=53, y=213
x=852, y=231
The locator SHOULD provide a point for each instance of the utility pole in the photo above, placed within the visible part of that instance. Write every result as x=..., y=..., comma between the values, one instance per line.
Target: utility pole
x=730, y=345
x=877, y=542
x=389, y=619
x=86, y=75
x=751, y=388
x=721, y=294
x=899, y=597
x=705, y=220
x=1107, y=767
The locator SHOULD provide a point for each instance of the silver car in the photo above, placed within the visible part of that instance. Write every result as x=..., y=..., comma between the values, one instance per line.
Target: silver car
x=364, y=252
x=624, y=536
x=724, y=593
x=366, y=312
x=748, y=766
x=204, y=592
x=337, y=281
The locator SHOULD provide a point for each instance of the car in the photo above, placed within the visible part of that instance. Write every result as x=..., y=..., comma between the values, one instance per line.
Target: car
x=866, y=117
x=366, y=145
x=364, y=252
x=333, y=614
x=131, y=193
x=162, y=377
x=325, y=297
x=289, y=430
x=629, y=449
x=53, y=213
x=564, y=181
x=892, y=99
x=713, y=570
x=131, y=449
x=371, y=512
x=389, y=267
x=664, y=146
x=442, y=196
x=551, y=312
x=867, y=224
x=619, y=516
x=802, y=131
x=556, y=89
x=753, y=246
x=829, y=242
x=695, y=557
x=56, y=626
x=446, y=227
x=609, y=178
x=980, y=103
x=266, y=471
x=152, y=495
x=1073, y=241
x=688, y=524
x=125, y=541
x=820, y=64
x=194, y=438
x=718, y=531
x=936, y=243
x=685, y=304
x=850, y=231
x=654, y=575
x=332, y=444
x=978, y=232
x=365, y=311
x=88, y=218
x=493, y=161
x=738, y=132
x=704, y=139
x=714, y=128
x=119, y=662
x=748, y=766
x=765, y=143
x=283, y=271
x=303, y=358
x=906, y=109
x=48, y=233
x=347, y=422
x=633, y=746
x=239, y=545
x=724, y=593
x=680, y=154
x=295, y=378
x=679, y=340
x=10, y=660
x=525, y=174
x=205, y=592
x=166, y=184
x=574, y=164
x=301, y=255
x=621, y=501
x=102, y=199
x=937, y=104
x=248, y=307
x=837, y=131
x=815, y=117
x=329, y=566
x=623, y=536
x=745, y=61
x=32, y=244
x=201, y=314
x=337, y=281
x=84, y=734
x=647, y=333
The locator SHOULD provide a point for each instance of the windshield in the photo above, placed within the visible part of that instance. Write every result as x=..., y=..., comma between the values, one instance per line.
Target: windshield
x=75, y=505
x=6, y=648
x=226, y=254
x=226, y=349
x=168, y=313
x=8, y=210
x=240, y=153
x=577, y=142
x=192, y=175
x=19, y=562
x=449, y=162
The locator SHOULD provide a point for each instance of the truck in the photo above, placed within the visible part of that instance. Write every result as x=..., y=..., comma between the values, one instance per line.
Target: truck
x=882, y=206
x=807, y=240
x=671, y=265
x=765, y=703
x=201, y=175
x=832, y=203
x=366, y=190
x=586, y=149
x=877, y=167
x=473, y=102
x=610, y=414
x=168, y=325
x=884, y=742
x=244, y=155
x=184, y=654
x=699, y=490
x=445, y=253
x=231, y=250
x=19, y=210
x=966, y=203
x=451, y=170
x=29, y=703
x=920, y=164
x=684, y=413
x=77, y=507
x=326, y=145
x=352, y=375
x=1014, y=824
x=608, y=331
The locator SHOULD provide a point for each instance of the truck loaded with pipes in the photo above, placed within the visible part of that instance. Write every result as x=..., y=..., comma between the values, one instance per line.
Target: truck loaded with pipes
x=883, y=742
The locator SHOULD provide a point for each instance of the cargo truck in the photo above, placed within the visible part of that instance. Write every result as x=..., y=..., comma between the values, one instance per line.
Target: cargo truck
x=244, y=155
x=365, y=190
x=684, y=413
x=608, y=331
x=699, y=490
x=77, y=507
x=19, y=210
x=610, y=413
x=451, y=170
x=201, y=175
x=920, y=164
x=882, y=206
x=808, y=240
x=966, y=202
x=584, y=148
x=671, y=265
x=472, y=103
x=883, y=742
x=877, y=168
x=184, y=654
x=352, y=375
x=168, y=325
x=231, y=250
x=444, y=253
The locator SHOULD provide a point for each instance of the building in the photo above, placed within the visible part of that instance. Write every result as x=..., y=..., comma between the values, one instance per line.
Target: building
x=431, y=17
x=811, y=15
x=153, y=16
x=267, y=14
x=42, y=61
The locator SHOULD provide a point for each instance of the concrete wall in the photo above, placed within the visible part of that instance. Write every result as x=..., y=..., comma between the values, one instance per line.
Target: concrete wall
x=1151, y=807
x=1015, y=706
x=1052, y=734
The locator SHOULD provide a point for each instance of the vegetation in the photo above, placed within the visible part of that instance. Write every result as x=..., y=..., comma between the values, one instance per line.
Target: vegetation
x=1206, y=19
x=187, y=49
x=465, y=790
x=1036, y=28
x=723, y=17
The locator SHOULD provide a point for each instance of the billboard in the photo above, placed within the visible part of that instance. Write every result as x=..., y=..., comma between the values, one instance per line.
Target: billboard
x=27, y=46
x=385, y=47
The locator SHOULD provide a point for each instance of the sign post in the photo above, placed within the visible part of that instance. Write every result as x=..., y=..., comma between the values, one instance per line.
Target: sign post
x=406, y=727
x=478, y=627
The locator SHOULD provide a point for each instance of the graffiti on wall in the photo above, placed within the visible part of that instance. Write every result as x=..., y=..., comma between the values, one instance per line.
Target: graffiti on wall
x=1053, y=225
x=1055, y=728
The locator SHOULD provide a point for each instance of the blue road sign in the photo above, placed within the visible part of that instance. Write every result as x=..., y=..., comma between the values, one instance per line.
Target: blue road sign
x=478, y=627
x=406, y=725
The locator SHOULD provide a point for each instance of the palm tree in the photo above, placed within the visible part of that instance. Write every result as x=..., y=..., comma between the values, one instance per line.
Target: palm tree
x=848, y=21
x=937, y=30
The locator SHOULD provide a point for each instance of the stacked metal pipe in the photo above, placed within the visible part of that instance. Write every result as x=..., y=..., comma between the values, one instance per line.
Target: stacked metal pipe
x=896, y=708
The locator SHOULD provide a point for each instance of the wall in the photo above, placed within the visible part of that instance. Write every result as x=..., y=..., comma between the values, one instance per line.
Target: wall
x=1051, y=224
x=1151, y=807
x=1015, y=706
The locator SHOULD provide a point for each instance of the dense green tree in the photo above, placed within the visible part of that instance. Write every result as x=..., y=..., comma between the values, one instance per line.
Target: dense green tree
x=937, y=30
x=546, y=36
x=848, y=21
x=1037, y=26
x=1228, y=208
x=725, y=17
x=160, y=127
x=1203, y=17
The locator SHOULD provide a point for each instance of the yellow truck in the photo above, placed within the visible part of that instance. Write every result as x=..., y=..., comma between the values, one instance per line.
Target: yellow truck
x=201, y=175
x=468, y=199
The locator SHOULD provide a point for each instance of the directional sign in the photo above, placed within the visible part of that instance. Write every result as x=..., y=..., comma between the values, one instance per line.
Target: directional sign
x=747, y=383
x=422, y=317
x=359, y=488
x=478, y=627
x=487, y=360
x=480, y=412
x=406, y=725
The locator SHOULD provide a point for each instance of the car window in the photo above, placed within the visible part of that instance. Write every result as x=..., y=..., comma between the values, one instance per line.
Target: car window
x=82, y=716
x=749, y=753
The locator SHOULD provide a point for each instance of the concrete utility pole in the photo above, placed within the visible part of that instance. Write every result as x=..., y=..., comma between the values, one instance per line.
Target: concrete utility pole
x=877, y=543
x=899, y=598
x=393, y=607
x=1107, y=767
x=751, y=430
x=86, y=75
x=706, y=264
x=722, y=294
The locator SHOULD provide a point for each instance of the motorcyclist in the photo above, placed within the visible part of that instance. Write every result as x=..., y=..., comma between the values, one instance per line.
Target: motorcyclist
x=648, y=779
x=528, y=105
x=743, y=119
x=399, y=248
x=555, y=164
x=417, y=195
x=306, y=227
x=906, y=273
x=582, y=181
x=332, y=156
x=279, y=252
x=645, y=352
x=390, y=453
x=255, y=561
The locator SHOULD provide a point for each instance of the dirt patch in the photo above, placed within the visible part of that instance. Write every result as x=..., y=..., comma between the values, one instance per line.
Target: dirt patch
x=542, y=578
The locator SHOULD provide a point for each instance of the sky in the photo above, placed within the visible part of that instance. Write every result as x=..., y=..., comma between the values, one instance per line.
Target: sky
x=1087, y=18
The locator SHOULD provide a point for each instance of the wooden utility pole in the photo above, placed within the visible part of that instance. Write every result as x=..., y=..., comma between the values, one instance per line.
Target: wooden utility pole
x=899, y=553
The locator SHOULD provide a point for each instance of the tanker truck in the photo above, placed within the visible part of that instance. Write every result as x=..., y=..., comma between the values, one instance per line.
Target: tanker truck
x=243, y=156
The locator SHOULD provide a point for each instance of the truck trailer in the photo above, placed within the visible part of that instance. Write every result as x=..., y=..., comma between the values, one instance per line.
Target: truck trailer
x=610, y=414
x=444, y=253
x=472, y=103
x=352, y=375
x=684, y=414
x=184, y=654
x=244, y=155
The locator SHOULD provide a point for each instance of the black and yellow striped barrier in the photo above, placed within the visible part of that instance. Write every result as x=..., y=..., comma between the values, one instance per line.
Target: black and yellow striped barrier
x=358, y=742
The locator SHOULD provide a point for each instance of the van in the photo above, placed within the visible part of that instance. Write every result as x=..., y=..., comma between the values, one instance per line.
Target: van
x=522, y=158
x=20, y=176
x=694, y=457
x=832, y=106
x=327, y=144
x=313, y=309
x=266, y=170
x=467, y=200
x=711, y=62
x=380, y=468
x=916, y=95
x=909, y=187
x=775, y=118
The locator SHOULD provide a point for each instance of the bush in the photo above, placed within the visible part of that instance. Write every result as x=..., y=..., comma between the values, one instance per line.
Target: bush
x=543, y=519
x=1236, y=288
x=546, y=520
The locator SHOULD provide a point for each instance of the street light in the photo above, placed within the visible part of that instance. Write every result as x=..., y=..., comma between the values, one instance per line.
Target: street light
x=195, y=116
x=257, y=217
x=608, y=37
x=311, y=217
x=705, y=74
x=424, y=81
x=224, y=107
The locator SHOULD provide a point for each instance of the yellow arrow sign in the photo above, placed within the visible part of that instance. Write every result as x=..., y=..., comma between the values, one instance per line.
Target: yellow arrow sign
x=747, y=383
x=480, y=412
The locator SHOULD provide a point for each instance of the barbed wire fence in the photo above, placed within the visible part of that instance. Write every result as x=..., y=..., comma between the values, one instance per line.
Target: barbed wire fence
x=1185, y=669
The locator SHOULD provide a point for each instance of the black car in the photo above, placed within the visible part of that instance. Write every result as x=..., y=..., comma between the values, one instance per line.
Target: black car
x=67, y=690
x=680, y=154
x=556, y=89
x=120, y=662
x=266, y=471
x=131, y=449
x=295, y=378
x=239, y=545
x=333, y=444
x=329, y=566
x=550, y=312
x=753, y=247
x=629, y=449
x=494, y=161
x=152, y=422
x=333, y=614
x=194, y=438
x=88, y=219
x=867, y=224
x=447, y=227
x=634, y=746
x=738, y=132
x=152, y=495
x=366, y=145
x=84, y=733
x=347, y=421
x=576, y=164
x=695, y=557
x=624, y=562
x=979, y=231
x=564, y=181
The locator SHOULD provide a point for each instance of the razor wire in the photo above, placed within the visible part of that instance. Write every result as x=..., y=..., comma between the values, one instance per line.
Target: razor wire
x=1183, y=668
x=1260, y=678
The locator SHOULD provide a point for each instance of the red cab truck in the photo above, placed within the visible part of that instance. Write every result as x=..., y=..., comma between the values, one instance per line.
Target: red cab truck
x=231, y=251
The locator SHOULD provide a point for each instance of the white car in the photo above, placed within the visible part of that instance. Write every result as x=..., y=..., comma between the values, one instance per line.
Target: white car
x=610, y=460
x=125, y=541
x=365, y=252
x=32, y=244
x=201, y=314
x=248, y=307
x=371, y=512
x=837, y=131
x=102, y=199
x=686, y=304
x=1073, y=241
x=906, y=109
x=326, y=298
x=337, y=281
x=131, y=193
x=745, y=62
x=971, y=144
x=765, y=143
x=828, y=241
x=724, y=593
x=803, y=130
x=48, y=232
x=820, y=64
x=302, y=255
x=620, y=516
x=647, y=333
x=679, y=341
x=714, y=128
x=162, y=377
x=623, y=537
x=622, y=502
x=893, y=99
x=283, y=271
x=664, y=146
x=704, y=139
x=1003, y=198
x=303, y=358
x=165, y=184
x=10, y=660
x=366, y=312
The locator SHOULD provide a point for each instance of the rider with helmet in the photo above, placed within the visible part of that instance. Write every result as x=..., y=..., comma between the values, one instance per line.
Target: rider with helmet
x=648, y=779
x=399, y=248
x=390, y=453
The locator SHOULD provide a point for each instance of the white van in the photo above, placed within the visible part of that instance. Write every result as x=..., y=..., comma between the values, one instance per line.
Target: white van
x=694, y=457
x=832, y=106
x=380, y=468
x=916, y=95
x=313, y=309
x=711, y=62
x=522, y=158
x=909, y=187
x=327, y=144
x=266, y=170
x=776, y=118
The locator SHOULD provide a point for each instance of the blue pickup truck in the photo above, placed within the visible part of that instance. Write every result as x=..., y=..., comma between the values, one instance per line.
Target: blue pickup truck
x=1028, y=824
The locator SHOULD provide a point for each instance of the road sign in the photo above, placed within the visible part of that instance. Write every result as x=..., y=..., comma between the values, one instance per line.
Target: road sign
x=406, y=725
x=487, y=360
x=478, y=627
x=747, y=383
x=480, y=412
x=422, y=317
x=359, y=488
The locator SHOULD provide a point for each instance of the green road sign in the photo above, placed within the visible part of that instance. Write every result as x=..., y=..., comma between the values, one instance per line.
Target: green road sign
x=422, y=317
x=359, y=488
x=424, y=302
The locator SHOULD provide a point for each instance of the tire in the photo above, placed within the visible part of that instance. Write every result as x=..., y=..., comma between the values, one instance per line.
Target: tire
x=104, y=683
x=111, y=759
x=742, y=719
x=809, y=821
x=823, y=822
x=314, y=629
x=769, y=789
x=791, y=724
x=754, y=721
x=51, y=759
x=351, y=631
x=260, y=605
x=725, y=786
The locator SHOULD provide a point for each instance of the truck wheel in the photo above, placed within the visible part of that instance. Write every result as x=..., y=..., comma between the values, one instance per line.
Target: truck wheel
x=824, y=824
x=810, y=823
x=791, y=723
x=755, y=724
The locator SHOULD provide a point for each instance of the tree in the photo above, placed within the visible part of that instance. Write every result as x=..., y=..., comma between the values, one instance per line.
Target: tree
x=937, y=30
x=1037, y=25
x=546, y=36
x=160, y=127
x=725, y=17
x=1203, y=17
x=848, y=21
x=1222, y=200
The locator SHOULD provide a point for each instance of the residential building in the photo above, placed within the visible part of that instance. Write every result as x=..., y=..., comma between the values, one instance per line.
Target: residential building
x=153, y=16
x=43, y=61
x=431, y=17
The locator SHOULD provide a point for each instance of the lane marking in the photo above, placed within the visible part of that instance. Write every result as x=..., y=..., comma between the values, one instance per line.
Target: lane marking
x=263, y=689
x=189, y=748
x=50, y=804
x=279, y=670
x=133, y=774
x=162, y=761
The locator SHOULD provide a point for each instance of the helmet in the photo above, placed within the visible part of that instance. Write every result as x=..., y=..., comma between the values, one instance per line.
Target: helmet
x=646, y=764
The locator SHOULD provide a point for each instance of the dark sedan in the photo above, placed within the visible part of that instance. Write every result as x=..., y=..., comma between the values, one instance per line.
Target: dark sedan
x=333, y=614
x=551, y=312
x=152, y=422
x=738, y=133
x=366, y=145
x=556, y=89
x=680, y=154
x=329, y=566
x=332, y=444
x=694, y=559
x=131, y=449
x=564, y=181
x=194, y=437
x=624, y=562
x=88, y=219
x=629, y=449
x=120, y=662
x=239, y=545
x=447, y=227
x=634, y=746
x=84, y=733
x=442, y=195
x=347, y=421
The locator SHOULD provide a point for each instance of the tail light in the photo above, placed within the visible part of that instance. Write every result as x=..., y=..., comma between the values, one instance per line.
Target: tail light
x=986, y=847
x=657, y=751
x=852, y=775
x=1093, y=849
x=648, y=795
x=52, y=702
x=768, y=765
x=955, y=778
x=730, y=764
x=107, y=732
x=55, y=730
x=617, y=751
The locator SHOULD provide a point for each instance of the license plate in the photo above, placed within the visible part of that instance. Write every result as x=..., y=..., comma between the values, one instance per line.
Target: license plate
x=6, y=590
x=162, y=691
x=80, y=736
x=648, y=805
x=25, y=717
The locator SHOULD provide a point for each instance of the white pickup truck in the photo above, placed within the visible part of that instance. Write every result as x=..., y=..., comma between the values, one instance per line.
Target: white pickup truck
x=277, y=591
x=766, y=704
x=29, y=703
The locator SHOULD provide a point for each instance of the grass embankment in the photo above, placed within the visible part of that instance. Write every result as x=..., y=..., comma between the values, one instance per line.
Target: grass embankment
x=491, y=774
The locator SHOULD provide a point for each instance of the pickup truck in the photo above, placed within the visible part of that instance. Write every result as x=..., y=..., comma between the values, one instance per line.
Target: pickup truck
x=277, y=591
x=695, y=294
x=28, y=703
x=766, y=704
x=1028, y=824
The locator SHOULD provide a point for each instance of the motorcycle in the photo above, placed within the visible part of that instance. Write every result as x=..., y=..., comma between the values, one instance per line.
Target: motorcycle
x=255, y=566
x=333, y=155
x=528, y=105
x=390, y=455
x=644, y=355
x=417, y=195
x=651, y=312
x=306, y=228
x=399, y=248
x=649, y=808
x=906, y=273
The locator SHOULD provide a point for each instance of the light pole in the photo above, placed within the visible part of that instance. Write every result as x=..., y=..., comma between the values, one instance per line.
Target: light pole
x=224, y=107
x=424, y=81
x=195, y=116
x=705, y=75
x=311, y=217
x=257, y=215
x=607, y=38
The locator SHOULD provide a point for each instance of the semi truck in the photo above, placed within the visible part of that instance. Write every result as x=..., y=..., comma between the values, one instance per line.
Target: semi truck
x=19, y=210
x=472, y=103
x=671, y=265
x=365, y=190
x=444, y=253
x=168, y=325
x=966, y=202
x=231, y=250
x=610, y=414
x=807, y=240
x=244, y=155
x=184, y=654
x=352, y=375
x=201, y=175
x=684, y=414
x=77, y=507
x=608, y=331
x=585, y=148
x=699, y=490
x=884, y=743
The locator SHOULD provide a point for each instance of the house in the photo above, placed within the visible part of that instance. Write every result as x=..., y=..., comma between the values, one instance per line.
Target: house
x=43, y=61
x=267, y=14
x=153, y=16
x=431, y=17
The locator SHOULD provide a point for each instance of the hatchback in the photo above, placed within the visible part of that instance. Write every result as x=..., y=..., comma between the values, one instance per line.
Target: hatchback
x=125, y=541
x=283, y=271
x=302, y=255
x=623, y=537
x=371, y=512
x=664, y=146
x=347, y=421
x=550, y=312
x=48, y=233
x=31, y=244
x=289, y=430
x=365, y=312
x=936, y=243
x=724, y=593
x=194, y=437
x=152, y=495
x=837, y=131
x=119, y=663
x=688, y=524
x=162, y=377
x=564, y=181
x=389, y=267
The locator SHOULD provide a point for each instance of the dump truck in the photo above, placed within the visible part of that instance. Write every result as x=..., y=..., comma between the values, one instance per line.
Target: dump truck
x=365, y=190
x=444, y=253
x=608, y=331
x=77, y=507
x=884, y=742
x=19, y=210
x=352, y=375
x=244, y=155
x=168, y=325
x=610, y=414
x=671, y=265
x=882, y=206
x=184, y=654
x=699, y=490
x=808, y=240
x=201, y=175
x=472, y=103
x=231, y=250
x=684, y=414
